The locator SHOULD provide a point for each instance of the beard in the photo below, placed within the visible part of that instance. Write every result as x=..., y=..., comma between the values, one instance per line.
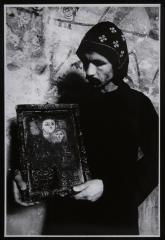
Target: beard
x=97, y=83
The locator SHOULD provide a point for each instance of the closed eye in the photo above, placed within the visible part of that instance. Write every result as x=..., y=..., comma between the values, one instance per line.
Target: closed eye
x=98, y=63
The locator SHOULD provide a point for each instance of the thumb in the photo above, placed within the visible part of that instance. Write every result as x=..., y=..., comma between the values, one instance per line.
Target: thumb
x=80, y=187
x=18, y=179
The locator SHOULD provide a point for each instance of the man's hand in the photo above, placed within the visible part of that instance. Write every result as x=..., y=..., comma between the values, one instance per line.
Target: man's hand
x=91, y=190
x=20, y=185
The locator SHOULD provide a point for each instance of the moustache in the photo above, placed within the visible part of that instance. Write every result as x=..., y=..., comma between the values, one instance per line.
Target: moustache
x=96, y=83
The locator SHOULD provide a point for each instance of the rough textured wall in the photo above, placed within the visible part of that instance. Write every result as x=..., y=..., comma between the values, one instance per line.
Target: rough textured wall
x=40, y=50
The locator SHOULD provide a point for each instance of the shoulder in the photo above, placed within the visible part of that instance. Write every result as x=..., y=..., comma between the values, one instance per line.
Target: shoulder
x=144, y=106
x=132, y=95
x=137, y=100
x=135, y=95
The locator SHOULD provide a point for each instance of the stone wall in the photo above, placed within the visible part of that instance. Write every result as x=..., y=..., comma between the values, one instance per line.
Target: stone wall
x=40, y=50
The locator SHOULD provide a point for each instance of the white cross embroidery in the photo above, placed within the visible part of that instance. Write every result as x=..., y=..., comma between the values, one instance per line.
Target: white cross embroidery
x=116, y=44
x=121, y=54
x=103, y=38
x=112, y=29
x=123, y=37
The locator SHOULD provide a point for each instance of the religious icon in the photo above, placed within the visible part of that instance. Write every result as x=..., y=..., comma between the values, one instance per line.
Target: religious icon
x=52, y=155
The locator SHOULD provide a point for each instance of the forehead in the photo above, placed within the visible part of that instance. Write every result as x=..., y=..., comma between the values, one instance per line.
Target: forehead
x=91, y=55
x=59, y=131
x=48, y=121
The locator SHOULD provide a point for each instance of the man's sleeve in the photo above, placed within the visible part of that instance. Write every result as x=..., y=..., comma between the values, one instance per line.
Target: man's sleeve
x=147, y=165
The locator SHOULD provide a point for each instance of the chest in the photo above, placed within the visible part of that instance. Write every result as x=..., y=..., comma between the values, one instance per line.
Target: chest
x=115, y=121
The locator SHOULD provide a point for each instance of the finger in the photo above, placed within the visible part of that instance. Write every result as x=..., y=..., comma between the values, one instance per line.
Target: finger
x=21, y=184
x=86, y=195
x=25, y=204
x=81, y=195
x=17, y=196
x=80, y=188
x=16, y=192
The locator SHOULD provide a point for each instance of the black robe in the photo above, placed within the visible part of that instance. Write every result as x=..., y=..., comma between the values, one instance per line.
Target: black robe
x=116, y=126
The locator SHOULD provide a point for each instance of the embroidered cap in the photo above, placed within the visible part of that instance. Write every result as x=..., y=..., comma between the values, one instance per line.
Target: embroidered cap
x=107, y=39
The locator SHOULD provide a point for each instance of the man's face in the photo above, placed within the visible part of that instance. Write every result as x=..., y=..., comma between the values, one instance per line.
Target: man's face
x=99, y=71
x=48, y=125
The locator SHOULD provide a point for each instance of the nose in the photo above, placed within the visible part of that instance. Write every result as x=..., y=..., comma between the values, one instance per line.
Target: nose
x=91, y=70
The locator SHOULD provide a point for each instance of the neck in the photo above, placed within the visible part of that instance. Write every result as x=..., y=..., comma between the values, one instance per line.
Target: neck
x=109, y=87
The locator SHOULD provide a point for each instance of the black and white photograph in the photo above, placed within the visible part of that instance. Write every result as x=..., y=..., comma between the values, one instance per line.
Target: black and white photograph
x=82, y=120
